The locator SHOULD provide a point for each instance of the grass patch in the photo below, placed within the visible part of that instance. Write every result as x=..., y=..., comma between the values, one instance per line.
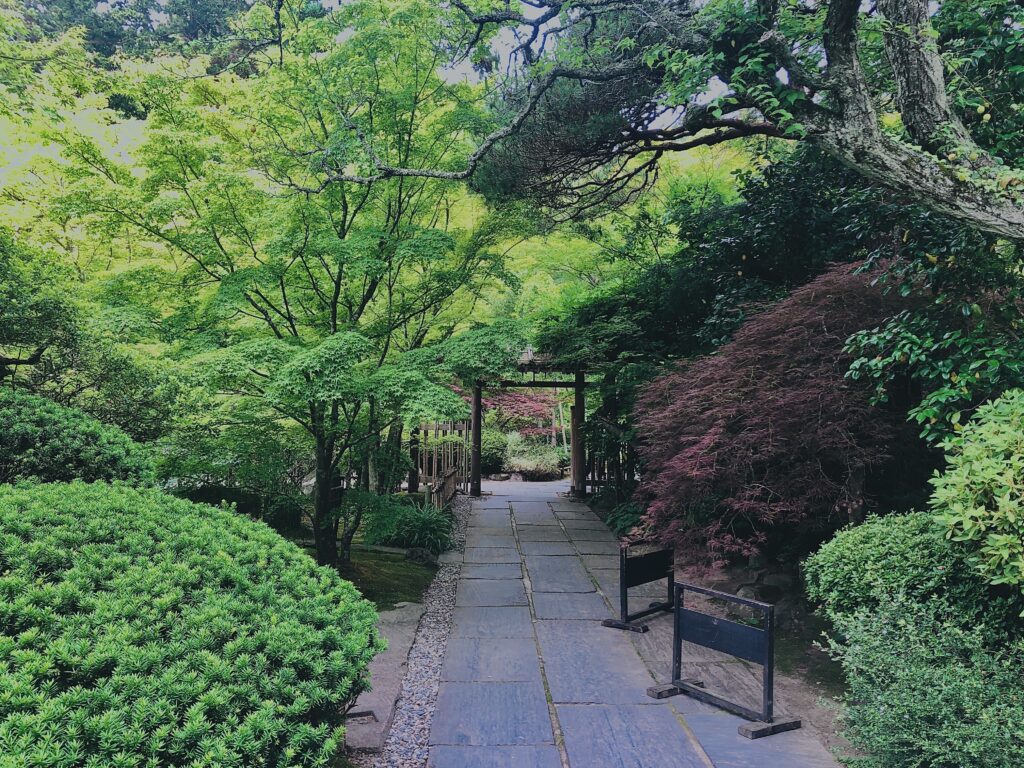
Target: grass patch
x=386, y=579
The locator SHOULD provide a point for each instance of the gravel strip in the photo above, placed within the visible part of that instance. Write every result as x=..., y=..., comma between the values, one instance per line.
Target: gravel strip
x=406, y=744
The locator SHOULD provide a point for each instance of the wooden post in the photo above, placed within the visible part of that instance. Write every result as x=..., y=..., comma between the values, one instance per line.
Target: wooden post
x=478, y=414
x=579, y=457
x=414, y=460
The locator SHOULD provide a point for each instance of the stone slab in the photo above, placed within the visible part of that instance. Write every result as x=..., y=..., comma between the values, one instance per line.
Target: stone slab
x=601, y=561
x=584, y=524
x=491, y=714
x=492, y=622
x=496, y=502
x=718, y=736
x=586, y=663
x=494, y=757
x=492, y=571
x=582, y=516
x=387, y=670
x=591, y=534
x=475, y=539
x=490, y=592
x=630, y=736
x=570, y=605
x=490, y=555
x=538, y=518
x=541, y=533
x=490, y=518
x=589, y=547
x=548, y=548
x=552, y=573
x=477, y=659
x=562, y=505
x=530, y=507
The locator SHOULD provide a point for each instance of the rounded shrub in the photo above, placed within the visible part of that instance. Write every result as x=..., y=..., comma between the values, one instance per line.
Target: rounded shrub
x=493, y=451
x=925, y=691
x=44, y=441
x=867, y=565
x=138, y=629
x=979, y=499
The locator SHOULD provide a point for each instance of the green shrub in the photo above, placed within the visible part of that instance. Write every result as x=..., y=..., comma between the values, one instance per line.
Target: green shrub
x=623, y=518
x=138, y=629
x=493, y=451
x=393, y=523
x=979, y=499
x=925, y=692
x=535, y=461
x=42, y=440
x=867, y=565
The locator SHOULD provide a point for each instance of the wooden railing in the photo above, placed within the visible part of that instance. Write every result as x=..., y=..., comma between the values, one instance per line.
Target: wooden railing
x=440, y=457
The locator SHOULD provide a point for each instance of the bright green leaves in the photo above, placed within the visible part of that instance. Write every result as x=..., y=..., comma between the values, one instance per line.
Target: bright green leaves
x=138, y=629
x=334, y=371
x=957, y=367
x=979, y=499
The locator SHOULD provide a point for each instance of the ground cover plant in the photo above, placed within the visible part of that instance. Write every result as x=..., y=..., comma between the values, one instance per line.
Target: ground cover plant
x=140, y=629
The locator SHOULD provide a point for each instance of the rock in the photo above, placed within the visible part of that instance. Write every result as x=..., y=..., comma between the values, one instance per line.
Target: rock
x=748, y=592
x=782, y=581
x=421, y=556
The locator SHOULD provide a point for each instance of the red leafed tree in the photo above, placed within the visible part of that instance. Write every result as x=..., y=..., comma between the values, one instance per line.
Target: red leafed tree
x=766, y=444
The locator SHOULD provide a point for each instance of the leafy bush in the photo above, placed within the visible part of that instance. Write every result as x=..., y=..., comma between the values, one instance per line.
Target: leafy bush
x=51, y=443
x=931, y=652
x=869, y=565
x=394, y=523
x=623, y=518
x=926, y=692
x=140, y=629
x=765, y=447
x=493, y=451
x=537, y=462
x=979, y=499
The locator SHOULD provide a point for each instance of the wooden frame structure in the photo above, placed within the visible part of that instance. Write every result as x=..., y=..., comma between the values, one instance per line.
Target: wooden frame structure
x=530, y=364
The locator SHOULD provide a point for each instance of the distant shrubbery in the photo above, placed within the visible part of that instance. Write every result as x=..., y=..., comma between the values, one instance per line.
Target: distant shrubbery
x=401, y=523
x=533, y=460
x=44, y=441
x=140, y=629
x=493, y=451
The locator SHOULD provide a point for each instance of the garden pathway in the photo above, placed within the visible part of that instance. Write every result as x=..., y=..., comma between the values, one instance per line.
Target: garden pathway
x=532, y=680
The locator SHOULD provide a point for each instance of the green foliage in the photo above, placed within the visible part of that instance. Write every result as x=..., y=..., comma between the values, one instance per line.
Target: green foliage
x=400, y=523
x=979, y=499
x=535, y=461
x=34, y=311
x=493, y=451
x=924, y=690
x=139, y=629
x=928, y=647
x=867, y=566
x=43, y=441
x=623, y=518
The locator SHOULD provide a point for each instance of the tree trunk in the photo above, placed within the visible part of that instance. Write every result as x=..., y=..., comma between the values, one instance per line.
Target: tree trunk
x=325, y=522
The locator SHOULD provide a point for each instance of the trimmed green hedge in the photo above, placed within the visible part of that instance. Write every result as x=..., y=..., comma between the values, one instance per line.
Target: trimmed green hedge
x=932, y=653
x=137, y=629
x=44, y=441
x=868, y=565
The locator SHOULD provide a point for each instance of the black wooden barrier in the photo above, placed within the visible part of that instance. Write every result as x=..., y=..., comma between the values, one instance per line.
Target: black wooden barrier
x=754, y=644
x=637, y=570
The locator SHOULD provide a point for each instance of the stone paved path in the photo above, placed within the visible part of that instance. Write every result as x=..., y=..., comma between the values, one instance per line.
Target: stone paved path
x=532, y=680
